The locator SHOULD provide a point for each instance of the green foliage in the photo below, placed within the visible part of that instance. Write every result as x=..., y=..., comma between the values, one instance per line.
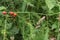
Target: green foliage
x=50, y=3
x=30, y=15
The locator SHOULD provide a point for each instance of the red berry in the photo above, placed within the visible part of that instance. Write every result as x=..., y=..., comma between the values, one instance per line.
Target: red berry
x=11, y=13
x=14, y=14
x=4, y=12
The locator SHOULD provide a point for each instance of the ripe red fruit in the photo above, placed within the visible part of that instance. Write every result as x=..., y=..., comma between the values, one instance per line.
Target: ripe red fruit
x=11, y=13
x=14, y=14
x=4, y=12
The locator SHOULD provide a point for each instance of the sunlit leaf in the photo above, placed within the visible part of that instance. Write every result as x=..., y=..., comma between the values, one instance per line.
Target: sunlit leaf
x=50, y=3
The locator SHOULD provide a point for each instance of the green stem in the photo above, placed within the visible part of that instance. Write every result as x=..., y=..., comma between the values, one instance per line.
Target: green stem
x=23, y=5
x=4, y=37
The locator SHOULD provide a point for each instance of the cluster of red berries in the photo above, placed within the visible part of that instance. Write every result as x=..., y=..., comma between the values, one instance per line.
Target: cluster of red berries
x=11, y=13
